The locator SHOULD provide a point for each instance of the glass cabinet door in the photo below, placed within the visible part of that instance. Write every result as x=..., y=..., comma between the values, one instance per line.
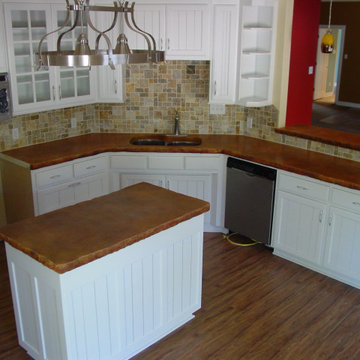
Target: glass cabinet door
x=72, y=82
x=27, y=26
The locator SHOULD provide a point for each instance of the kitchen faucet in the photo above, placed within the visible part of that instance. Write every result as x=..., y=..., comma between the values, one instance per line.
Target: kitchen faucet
x=177, y=125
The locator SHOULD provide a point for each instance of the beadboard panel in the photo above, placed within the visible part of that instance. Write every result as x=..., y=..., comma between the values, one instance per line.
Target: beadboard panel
x=113, y=307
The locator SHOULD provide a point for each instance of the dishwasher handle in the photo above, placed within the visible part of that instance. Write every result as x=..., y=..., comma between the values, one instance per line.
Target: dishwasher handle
x=251, y=168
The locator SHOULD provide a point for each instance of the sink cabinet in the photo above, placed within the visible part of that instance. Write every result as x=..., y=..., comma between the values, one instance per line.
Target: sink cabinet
x=35, y=192
x=200, y=176
x=317, y=224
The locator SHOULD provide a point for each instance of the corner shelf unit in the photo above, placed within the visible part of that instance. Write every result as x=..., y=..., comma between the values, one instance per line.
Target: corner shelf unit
x=257, y=47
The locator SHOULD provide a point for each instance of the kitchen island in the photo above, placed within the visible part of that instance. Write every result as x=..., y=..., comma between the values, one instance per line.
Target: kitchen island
x=106, y=278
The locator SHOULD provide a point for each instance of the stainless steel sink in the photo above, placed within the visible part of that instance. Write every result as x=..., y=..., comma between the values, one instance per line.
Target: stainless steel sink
x=146, y=141
x=184, y=143
x=168, y=140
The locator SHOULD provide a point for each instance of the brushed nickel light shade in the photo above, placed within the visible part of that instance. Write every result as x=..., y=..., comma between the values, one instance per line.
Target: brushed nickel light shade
x=83, y=55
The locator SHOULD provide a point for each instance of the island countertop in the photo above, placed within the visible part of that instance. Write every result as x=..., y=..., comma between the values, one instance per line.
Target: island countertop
x=304, y=162
x=73, y=236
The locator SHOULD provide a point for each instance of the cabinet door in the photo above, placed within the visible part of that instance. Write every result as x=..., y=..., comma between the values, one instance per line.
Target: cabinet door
x=343, y=243
x=187, y=32
x=126, y=180
x=110, y=82
x=25, y=25
x=72, y=83
x=69, y=194
x=3, y=48
x=299, y=227
x=224, y=51
x=150, y=18
x=198, y=186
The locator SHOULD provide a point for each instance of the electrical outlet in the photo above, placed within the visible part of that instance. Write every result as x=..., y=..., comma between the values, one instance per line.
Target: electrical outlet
x=217, y=109
x=249, y=121
x=15, y=133
x=73, y=123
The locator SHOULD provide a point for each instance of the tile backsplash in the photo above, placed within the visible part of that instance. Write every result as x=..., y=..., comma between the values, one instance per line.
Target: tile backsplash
x=152, y=94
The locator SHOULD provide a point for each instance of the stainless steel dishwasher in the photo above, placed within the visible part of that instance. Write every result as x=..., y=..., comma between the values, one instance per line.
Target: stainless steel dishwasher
x=249, y=199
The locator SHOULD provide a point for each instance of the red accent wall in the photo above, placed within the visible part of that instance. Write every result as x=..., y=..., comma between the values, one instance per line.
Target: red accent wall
x=303, y=54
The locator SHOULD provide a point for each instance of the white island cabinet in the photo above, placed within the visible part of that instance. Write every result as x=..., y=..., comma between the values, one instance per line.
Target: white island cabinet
x=112, y=288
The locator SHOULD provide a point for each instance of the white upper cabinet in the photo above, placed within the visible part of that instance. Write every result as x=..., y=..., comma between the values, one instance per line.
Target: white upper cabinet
x=110, y=82
x=181, y=30
x=25, y=25
x=224, y=53
x=187, y=32
x=150, y=18
x=3, y=48
x=45, y=89
x=243, y=52
x=74, y=84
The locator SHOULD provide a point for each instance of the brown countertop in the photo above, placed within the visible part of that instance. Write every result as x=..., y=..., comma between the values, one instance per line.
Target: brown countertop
x=304, y=162
x=324, y=135
x=67, y=238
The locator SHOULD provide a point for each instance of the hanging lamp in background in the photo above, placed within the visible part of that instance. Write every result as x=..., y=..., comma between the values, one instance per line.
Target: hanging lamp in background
x=83, y=55
x=327, y=42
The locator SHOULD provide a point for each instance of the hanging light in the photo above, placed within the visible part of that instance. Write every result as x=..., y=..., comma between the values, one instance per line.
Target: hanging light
x=327, y=42
x=83, y=55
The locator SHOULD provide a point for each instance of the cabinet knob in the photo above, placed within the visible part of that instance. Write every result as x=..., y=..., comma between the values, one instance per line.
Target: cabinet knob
x=115, y=86
x=74, y=184
x=320, y=216
x=53, y=92
x=330, y=220
x=215, y=88
x=168, y=43
x=60, y=95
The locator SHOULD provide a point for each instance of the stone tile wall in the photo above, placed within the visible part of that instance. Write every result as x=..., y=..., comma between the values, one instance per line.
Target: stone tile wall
x=152, y=94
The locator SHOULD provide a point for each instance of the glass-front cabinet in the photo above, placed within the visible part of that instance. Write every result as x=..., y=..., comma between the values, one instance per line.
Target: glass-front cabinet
x=46, y=88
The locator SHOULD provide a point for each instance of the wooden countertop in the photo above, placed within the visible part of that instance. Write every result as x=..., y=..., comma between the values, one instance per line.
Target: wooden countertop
x=304, y=162
x=67, y=238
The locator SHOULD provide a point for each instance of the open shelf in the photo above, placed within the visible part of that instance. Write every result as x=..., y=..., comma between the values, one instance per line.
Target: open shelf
x=257, y=53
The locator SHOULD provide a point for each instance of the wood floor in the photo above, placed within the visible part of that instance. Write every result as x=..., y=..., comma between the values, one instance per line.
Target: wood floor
x=255, y=306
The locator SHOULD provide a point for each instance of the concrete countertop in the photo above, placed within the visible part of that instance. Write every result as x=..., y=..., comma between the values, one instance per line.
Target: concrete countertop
x=73, y=236
x=304, y=162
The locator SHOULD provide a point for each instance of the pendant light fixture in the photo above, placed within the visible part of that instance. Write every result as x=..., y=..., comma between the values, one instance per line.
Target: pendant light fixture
x=83, y=55
x=327, y=42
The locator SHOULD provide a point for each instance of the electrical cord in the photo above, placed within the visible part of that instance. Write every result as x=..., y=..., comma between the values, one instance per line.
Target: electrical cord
x=227, y=237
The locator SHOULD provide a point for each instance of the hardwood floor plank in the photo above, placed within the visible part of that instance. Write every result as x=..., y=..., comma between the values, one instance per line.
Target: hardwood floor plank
x=255, y=306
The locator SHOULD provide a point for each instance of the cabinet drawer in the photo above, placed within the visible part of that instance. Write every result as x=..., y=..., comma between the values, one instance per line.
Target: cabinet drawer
x=128, y=162
x=346, y=199
x=89, y=167
x=54, y=176
x=166, y=162
x=303, y=187
x=201, y=163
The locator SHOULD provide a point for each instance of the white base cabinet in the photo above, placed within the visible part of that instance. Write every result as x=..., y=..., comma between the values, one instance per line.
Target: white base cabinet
x=200, y=176
x=343, y=244
x=317, y=225
x=57, y=186
x=113, y=307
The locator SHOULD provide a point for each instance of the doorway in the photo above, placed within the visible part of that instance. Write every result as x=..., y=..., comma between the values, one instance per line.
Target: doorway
x=328, y=67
